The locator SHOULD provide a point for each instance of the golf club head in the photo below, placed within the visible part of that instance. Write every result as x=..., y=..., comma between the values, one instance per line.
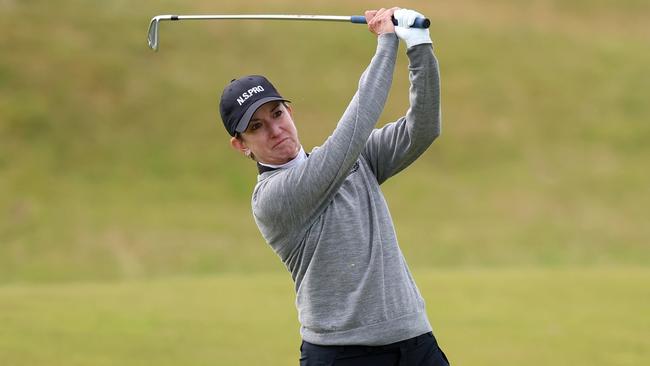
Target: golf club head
x=152, y=35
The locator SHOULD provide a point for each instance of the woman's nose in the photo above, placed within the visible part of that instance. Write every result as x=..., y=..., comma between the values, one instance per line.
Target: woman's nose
x=275, y=129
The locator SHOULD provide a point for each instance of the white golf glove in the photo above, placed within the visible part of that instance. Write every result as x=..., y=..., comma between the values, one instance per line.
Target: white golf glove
x=412, y=36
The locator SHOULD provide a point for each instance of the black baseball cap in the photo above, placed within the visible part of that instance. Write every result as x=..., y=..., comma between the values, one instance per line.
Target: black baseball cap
x=242, y=97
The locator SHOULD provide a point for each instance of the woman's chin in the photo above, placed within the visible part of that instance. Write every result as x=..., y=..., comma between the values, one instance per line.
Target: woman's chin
x=284, y=156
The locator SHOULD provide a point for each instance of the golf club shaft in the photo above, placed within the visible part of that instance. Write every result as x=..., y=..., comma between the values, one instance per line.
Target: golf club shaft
x=357, y=19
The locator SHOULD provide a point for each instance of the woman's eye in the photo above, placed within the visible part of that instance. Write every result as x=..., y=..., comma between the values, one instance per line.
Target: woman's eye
x=277, y=114
x=255, y=126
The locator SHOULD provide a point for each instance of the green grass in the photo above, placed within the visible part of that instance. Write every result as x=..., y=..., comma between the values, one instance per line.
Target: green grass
x=487, y=317
x=116, y=178
x=126, y=236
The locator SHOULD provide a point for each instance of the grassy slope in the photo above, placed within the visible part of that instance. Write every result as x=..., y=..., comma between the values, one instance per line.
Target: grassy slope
x=113, y=163
x=486, y=317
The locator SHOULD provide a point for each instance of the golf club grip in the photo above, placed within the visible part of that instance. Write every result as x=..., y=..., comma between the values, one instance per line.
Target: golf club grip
x=419, y=22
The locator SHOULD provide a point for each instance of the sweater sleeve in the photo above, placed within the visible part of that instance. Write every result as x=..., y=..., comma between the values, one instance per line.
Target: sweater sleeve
x=395, y=146
x=287, y=198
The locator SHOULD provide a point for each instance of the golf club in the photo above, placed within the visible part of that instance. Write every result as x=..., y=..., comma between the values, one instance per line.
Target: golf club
x=154, y=39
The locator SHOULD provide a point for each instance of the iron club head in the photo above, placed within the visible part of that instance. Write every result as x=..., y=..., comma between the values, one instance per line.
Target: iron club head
x=152, y=35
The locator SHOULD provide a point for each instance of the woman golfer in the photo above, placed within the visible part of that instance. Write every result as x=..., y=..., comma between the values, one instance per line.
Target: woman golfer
x=324, y=214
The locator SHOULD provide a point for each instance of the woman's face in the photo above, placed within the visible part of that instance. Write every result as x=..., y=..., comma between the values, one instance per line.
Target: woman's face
x=271, y=135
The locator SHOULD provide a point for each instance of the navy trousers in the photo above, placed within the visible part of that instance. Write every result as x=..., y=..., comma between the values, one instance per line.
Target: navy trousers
x=419, y=351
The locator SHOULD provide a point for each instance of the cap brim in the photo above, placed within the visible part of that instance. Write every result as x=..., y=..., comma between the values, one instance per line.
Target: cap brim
x=242, y=125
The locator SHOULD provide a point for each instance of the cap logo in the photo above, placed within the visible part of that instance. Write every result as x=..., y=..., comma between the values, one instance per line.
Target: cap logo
x=249, y=93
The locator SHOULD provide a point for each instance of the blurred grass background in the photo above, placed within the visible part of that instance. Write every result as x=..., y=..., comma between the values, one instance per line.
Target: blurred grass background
x=116, y=178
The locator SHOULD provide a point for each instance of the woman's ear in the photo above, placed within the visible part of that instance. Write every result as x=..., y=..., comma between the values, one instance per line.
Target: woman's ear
x=239, y=145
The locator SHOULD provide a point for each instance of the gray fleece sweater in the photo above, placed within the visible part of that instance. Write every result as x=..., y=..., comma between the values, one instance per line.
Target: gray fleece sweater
x=329, y=223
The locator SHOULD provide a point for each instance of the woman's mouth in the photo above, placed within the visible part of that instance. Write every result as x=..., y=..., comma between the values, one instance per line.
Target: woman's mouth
x=280, y=142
